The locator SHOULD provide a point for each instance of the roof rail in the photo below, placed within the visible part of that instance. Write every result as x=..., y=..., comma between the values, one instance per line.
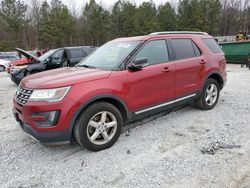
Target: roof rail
x=178, y=32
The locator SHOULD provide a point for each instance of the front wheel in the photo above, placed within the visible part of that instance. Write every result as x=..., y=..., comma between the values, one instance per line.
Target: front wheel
x=98, y=127
x=209, y=95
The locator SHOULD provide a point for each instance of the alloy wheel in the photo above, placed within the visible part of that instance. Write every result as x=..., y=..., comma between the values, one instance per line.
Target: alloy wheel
x=211, y=94
x=102, y=128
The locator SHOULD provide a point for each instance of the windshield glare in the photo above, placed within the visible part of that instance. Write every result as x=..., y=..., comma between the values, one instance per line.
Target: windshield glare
x=46, y=55
x=110, y=55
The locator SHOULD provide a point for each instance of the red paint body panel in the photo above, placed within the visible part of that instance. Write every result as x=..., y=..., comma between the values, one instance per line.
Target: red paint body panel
x=22, y=61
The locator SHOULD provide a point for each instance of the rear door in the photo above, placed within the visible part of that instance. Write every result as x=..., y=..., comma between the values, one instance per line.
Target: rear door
x=155, y=84
x=189, y=63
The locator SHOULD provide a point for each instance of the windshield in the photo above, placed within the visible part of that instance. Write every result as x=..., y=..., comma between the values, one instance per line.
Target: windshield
x=46, y=55
x=109, y=56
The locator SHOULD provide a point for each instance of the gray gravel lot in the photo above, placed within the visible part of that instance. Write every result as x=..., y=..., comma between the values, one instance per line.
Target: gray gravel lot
x=186, y=148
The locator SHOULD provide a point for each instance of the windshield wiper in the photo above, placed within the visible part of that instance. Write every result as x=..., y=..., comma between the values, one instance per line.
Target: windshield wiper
x=87, y=66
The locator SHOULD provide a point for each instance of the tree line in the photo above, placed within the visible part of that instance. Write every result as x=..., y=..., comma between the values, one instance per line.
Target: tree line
x=52, y=24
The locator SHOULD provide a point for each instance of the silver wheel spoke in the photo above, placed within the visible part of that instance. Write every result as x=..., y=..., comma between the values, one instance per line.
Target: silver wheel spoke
x=111, y=124
x=208, y=91
x=93, y=124
x=105, y=136
x=103, y=117
x=95, y=135
x=214, y=93
x=212, y=88
x=207, y=98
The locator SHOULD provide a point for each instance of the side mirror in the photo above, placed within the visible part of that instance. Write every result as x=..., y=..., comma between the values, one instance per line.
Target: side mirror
x=138, y=64
x=48, y=60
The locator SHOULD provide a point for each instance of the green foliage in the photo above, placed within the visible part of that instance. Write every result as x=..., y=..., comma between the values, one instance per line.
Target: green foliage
x=56, y=24
x=147, y=18
x=96, y=21
x=12, y=14
x=199, y=15
x=166, y=18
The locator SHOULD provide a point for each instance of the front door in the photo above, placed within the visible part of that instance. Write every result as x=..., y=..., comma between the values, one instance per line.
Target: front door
x=55, y=60
x=154, y=84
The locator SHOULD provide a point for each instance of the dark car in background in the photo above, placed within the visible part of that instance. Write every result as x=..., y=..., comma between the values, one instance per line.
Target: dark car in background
x=55, y=58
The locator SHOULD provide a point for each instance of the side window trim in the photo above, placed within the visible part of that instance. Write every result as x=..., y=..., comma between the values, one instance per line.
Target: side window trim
x=195, y=45
x=171, y=51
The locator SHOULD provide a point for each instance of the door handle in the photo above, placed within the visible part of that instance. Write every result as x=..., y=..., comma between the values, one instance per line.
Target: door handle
x=203, y=62
x=166, y=69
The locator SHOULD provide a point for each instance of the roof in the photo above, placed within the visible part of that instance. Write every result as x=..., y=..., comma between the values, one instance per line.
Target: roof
x=158, y=34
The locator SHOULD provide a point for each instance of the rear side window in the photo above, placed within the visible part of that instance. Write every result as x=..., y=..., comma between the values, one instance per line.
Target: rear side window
x=155, y=51
x=185, y=48
x=212, y=45
x=76, y=53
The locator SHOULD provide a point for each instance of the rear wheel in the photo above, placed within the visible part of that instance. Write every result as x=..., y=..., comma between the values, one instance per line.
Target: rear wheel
x=98, y=127
x=2, y=68
x=209, y=96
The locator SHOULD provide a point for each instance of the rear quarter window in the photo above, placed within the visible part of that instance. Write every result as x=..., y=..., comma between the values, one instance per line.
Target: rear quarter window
x=212, y=45
x=185, y=48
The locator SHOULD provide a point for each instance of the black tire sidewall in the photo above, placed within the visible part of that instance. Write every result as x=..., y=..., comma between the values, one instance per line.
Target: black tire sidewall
x=84, y=119
x=2, y=68
x=203, y=94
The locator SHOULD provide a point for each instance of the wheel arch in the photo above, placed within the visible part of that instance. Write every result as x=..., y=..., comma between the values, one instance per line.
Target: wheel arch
x=114, y=100
x=217, y=76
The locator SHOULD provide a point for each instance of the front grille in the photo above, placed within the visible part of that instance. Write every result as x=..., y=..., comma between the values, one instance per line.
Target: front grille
x=22, y=95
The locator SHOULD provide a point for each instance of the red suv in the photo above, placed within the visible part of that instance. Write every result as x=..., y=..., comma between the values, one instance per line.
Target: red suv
x=125, y=79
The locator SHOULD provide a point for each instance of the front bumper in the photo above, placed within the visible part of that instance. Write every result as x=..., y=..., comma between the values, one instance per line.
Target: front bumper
x=61, y=132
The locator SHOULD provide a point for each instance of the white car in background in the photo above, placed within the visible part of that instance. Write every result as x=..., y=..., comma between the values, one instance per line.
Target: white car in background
x=4, y=65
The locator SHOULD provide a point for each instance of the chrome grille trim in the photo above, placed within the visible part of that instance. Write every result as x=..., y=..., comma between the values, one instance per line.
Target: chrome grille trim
x=22, y=95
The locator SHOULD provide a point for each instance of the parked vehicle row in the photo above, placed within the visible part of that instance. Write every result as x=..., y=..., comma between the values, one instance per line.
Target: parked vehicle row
x=123, y=80
x=56, y=58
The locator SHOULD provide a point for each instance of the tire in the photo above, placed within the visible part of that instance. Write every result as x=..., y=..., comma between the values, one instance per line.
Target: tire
x=99, y=121
x=2, y=68
x=212, y=89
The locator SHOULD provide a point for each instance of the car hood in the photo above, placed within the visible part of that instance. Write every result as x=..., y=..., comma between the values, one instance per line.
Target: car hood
x=25, y=54
x=63, y=77
x=20, y=61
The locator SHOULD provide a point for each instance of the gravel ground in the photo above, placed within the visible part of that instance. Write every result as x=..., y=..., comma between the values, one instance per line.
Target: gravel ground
x=185, y=148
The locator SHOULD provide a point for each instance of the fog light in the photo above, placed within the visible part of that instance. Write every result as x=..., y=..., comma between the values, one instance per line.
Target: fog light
x=46, y=119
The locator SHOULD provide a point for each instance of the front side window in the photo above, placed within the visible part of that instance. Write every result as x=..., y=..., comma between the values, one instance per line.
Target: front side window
x=57, y=55
x=185, y=48
x=155, y=52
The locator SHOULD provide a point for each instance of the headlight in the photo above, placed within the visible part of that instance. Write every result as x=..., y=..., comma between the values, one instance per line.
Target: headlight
x=49, y=95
